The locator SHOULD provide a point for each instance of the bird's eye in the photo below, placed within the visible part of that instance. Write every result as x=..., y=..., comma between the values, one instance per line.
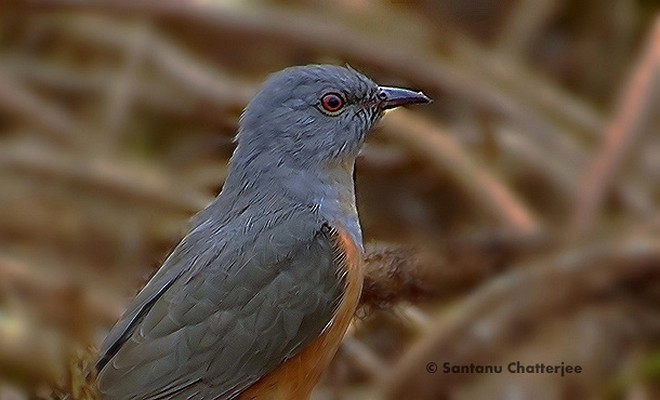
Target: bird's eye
x=332, y=102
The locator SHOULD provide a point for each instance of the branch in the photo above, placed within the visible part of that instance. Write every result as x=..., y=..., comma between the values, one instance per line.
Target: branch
x=194, y=76
x=111, y=179
x=633, y=109
x=485, y=190
x=51, y=120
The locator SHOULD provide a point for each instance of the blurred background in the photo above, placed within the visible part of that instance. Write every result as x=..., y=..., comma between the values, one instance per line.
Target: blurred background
x=517, y=218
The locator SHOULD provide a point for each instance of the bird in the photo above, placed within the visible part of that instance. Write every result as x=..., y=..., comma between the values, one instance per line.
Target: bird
x=255, y=299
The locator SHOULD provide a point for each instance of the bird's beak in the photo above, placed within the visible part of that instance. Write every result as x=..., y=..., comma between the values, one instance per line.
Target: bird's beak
x=392, y=97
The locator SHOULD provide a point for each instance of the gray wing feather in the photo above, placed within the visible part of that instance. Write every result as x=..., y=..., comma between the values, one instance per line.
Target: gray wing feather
x=220, y=315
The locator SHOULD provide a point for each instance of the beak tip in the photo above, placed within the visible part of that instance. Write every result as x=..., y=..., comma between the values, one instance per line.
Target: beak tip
x=425, y=99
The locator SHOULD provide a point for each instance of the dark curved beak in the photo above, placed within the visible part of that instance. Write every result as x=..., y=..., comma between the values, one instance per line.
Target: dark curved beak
x=392, y=97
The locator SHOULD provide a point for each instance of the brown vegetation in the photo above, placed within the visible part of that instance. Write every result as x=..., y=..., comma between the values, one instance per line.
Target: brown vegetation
x=517, y=218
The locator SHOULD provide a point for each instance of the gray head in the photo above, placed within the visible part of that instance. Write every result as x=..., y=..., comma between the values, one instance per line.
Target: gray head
x=314, y=116
x=298, y=139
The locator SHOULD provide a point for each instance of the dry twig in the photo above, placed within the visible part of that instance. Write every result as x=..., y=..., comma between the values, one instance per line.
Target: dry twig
x=485, y=190
x=53, y=121
x=634, y=107
x=107, y=177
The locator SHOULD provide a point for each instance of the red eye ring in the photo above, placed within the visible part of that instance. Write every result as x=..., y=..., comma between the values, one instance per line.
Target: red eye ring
x=332, y=102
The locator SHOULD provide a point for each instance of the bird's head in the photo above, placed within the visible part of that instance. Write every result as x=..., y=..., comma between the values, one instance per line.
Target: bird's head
x=314, y=115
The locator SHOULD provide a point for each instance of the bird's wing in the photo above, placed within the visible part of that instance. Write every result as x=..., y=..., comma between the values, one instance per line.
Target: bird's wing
x=222, y=316
x=175, y=266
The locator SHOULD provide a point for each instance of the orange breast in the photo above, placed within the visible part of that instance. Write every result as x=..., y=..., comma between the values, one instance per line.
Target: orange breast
x=295, y=379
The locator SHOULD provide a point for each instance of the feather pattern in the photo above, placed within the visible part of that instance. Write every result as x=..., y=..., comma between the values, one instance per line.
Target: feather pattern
x=213, y=334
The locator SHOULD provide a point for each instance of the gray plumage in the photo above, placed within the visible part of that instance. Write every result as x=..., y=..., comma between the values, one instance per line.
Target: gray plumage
x=258, y=276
